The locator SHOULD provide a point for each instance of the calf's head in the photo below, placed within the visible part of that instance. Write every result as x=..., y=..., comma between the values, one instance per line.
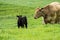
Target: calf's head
x=19, y=17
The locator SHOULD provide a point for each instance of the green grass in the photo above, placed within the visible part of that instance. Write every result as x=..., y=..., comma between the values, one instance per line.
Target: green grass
x=36, y=30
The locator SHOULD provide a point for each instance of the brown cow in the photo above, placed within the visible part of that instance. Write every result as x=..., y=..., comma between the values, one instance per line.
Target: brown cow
x=50, y=13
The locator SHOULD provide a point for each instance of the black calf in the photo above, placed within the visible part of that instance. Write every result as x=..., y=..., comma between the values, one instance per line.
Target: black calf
x=22, y=21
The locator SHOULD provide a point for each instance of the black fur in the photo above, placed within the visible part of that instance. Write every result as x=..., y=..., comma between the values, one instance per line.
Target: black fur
x=22, y=21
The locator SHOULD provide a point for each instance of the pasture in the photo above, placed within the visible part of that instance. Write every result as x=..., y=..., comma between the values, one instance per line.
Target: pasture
x=36, y=30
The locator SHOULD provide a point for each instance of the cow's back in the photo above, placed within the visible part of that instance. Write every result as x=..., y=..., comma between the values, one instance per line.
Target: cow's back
x=54, y=6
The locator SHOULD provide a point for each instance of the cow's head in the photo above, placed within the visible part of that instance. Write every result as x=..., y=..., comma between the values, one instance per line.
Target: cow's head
x=38, y=13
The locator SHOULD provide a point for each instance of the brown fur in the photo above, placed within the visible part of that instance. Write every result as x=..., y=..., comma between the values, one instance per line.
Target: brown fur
x=50, y=13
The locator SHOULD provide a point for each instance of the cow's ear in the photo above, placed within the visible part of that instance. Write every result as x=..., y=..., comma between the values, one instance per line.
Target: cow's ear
x=38, y=8
x=42, y=8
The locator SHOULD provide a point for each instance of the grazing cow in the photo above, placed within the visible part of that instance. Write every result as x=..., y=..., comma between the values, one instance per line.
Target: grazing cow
x=50, y=13
x=22, y=21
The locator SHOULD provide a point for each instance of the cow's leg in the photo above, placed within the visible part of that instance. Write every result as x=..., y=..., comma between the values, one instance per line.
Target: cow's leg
x=18, y=26
x=58, y=20
x=58, y=17
x=25, y=22
x=26, y=25
x=45, y=21
x=52, y=22
x=22, y=25
x=53, y=18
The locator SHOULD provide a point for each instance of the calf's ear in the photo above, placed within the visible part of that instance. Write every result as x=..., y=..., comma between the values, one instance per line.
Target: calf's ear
x=20, y=15
x=17, y=16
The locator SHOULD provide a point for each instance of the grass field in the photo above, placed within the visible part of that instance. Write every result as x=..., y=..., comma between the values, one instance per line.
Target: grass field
x=36, y=30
